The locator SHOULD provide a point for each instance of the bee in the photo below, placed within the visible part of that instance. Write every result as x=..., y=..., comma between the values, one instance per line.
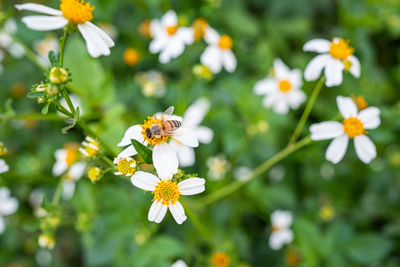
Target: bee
x=165, y=127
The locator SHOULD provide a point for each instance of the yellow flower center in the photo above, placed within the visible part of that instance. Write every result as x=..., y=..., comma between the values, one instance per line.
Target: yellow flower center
x=220, y=259
x=341, y=49
x=171, y=30
x=131, y=56
x=94, y=174
x=149, y=135
x=353, y=127
x=76, y=11
x=71, y=156
x=285, y=86
x=166, y=192
x=225, y=42
x=91, y=150
x=199, y=27
x=127, y=167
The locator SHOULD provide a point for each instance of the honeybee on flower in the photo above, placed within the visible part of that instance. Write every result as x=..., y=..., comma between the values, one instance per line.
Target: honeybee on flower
x=72, y=12
x=337, y=56
x=157, y=132
x=354, y=127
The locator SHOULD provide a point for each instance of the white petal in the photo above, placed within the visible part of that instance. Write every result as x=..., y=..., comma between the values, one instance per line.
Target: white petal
x=296, y=98
x=68, y=190
x=77, y=170
x=295, y=78
x=314, y=68
x=280, y=69
x=204, y=134
x=265, y=86
x=186, y=156
x=346, y=106
x=4, y=166
x=212, y=58
x=2, y=225
x=169, y=19
x=192, y=186
x=211, y=36
x=95, y=43
x=8, y=206
x=365, y=148
x=278, y=239
x=45, y=23
x=270, y=99
x=337, y=148
x=281, y=219
x=326, y=130
x=179, y=263
x=174, y=48
x=165, y=161
x=195, y=113
x=355, y=66
x=158, y=43
x=39, y=8
x=370, y=117
x=157, y=212
x=186, y=136
x=107, y=39
x=129, y=151
x=144, y=180
x=334, y=72
x=178, y=212
x=133, y=132
x=317, y=45
x=229, y=60
x=281, y=107
x=186, y=34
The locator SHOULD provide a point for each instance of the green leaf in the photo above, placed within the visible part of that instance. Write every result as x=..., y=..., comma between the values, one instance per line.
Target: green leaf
x=72, y=125
x=35, y=94
x=45, y=109
x=145, y=153
x=53, y=58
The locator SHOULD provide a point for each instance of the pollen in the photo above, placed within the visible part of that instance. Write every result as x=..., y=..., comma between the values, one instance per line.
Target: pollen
x=127, y=166
x=199, y=27
x=353, y=127
x=166, y=192
x=225, y=42
x=171, y=30
x=341, y=49
x=284, y=86
x=76, y=11
x=220, y=259
x=155, y=139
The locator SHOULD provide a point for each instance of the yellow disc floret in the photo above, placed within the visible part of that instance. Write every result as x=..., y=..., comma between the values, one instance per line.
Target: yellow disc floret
x=166, y=192
x=71, y=154
x=285, y=86
x=225, y=42
x=353, y=127
x=126, y=166
x=149, y=136
x=340, y=49
x=199, y=27
x=220, y=259
x=171, y=30
x=76, y=11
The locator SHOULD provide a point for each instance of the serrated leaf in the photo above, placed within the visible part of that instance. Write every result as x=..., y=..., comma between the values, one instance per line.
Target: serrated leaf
x=144, y=152
x=35, y=94
x=53, y=58
x=45, y=109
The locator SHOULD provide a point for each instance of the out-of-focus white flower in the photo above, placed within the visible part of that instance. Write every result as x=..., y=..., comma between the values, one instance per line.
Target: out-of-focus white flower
x=90, y=147
x=43, y=47
x=4, y=166
x=8, y=206
x=126, y=166
x=179, y=263
x=282, y=90
x=354, y=126
x=218, y=166
x=219, y=53
x=36, y=200
x=337, y=56
x=75, y=12
x=7, y=43
x=277, y=173
x=153, y=83
x=192, y=118
x=166, y=194
x=168, y=38
x=281, y=233
x=242, y=173
x=43, y=257
x=109, y=29
x=165, y=159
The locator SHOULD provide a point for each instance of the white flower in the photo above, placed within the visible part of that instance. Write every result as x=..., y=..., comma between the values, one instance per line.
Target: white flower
x=218, y=167
x=179, y=263
x=192, y=118
x=281, y=233
x=7, y=43
x=282, y=90
x=166, y=194
x=74, y=12
x=219, y=53
x=90, y=147
x=8, y=206
x=4, y=166
x=242, y=173
x=353, y=127
x=336, y=57
x=36, y=200
x=152, y=83
x=165, y=159
x=126, y=166
x=169, y=39
x=43, y=47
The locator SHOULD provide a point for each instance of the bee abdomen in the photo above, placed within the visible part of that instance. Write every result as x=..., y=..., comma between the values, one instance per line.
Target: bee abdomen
x=173, y=124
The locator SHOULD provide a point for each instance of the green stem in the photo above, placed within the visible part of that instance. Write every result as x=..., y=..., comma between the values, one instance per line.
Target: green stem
x=57, y=194
x=216, y=195
x=68, y=100
x=307, y=110
x=62, y=46
x=34, y=116
x=195, y=220
x=63, y=110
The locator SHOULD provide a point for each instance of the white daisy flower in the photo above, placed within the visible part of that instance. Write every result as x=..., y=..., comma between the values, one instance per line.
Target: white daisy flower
x=126, y=166
x=219, y=53
x=168, y=38
x=179, y=263
x=165, y=159
x=90, y=147
x=337, y=55
x=192, y=118
x=8, y=206
x=281, y=233
x=43, y=47
x=282, y=90
x=218, y=166
x=166, y=194
x=75, y=12
x=242, y=173
x=354, y=126
x=4, y=166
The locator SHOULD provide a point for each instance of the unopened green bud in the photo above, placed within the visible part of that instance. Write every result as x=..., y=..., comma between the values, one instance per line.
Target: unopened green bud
x=41, y=87
x=58, y=75
x=94, y=174
x=52, y=90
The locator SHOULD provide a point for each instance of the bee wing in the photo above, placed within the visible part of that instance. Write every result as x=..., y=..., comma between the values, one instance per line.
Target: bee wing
x=169, y=111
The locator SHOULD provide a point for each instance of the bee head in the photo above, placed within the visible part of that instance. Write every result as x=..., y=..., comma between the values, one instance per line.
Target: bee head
x=148, y=133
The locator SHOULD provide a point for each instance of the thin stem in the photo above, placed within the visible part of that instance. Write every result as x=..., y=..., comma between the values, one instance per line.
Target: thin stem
x=256, y=172
x=68, y=100
x=63, y=110
x=34, y=116
x=195, y=220
x=57, y=194
x=307, y=110
x=62, y=46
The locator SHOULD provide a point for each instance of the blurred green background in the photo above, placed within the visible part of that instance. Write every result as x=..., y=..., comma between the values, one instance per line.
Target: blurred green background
x=105, y=224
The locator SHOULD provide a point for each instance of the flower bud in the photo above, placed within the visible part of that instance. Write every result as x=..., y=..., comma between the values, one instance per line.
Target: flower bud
x=58, y=75
x=3, y=150
x=52, y=90
x=94, y=174
x=203, y=72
